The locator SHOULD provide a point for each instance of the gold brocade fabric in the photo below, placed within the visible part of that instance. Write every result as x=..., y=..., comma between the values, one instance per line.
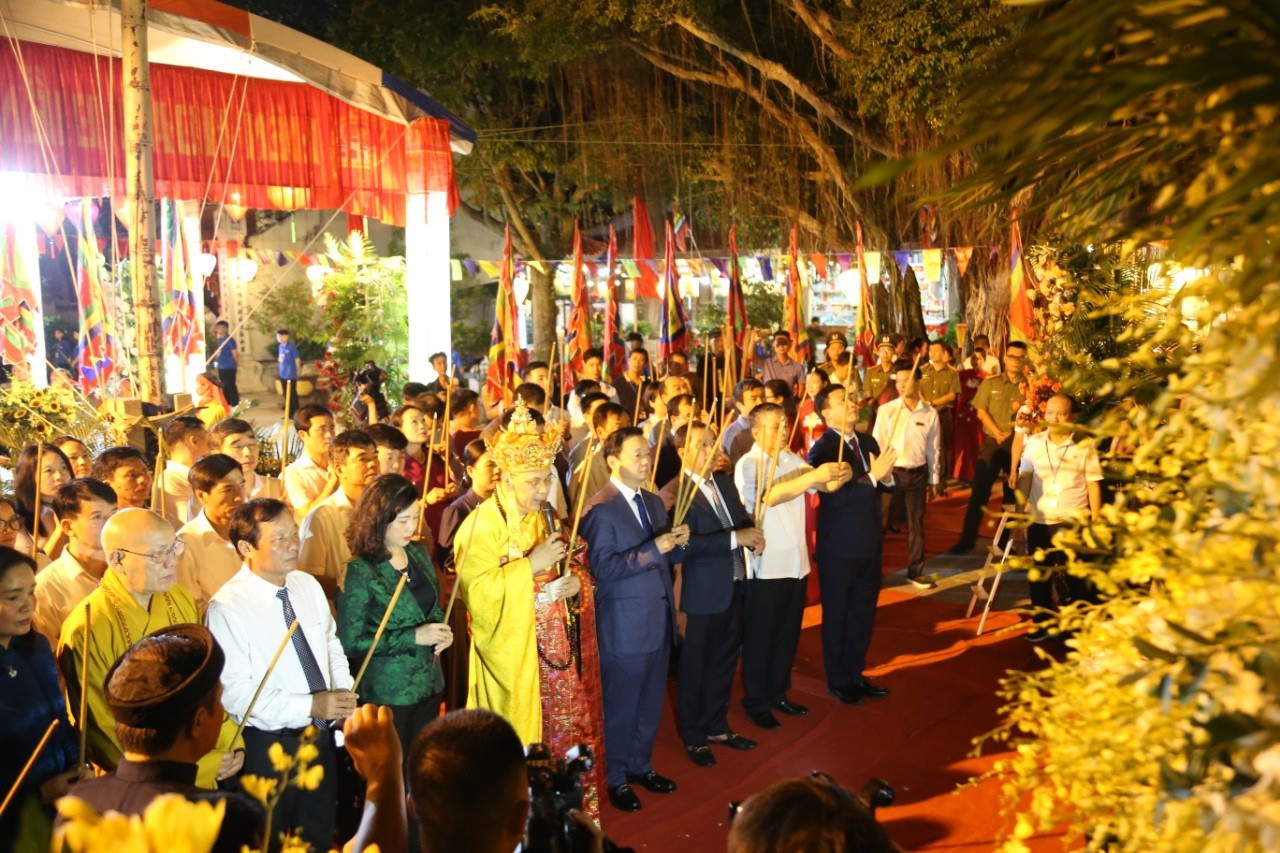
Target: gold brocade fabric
x=533, y=661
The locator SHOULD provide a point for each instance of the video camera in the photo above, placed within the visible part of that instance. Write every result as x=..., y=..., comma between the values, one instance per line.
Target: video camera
x=555, y=789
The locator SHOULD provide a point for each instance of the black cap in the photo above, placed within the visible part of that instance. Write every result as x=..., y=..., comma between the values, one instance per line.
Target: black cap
x=164, y=674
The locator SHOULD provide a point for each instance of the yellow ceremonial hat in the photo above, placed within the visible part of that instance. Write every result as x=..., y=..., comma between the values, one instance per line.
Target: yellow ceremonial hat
x=523, y=445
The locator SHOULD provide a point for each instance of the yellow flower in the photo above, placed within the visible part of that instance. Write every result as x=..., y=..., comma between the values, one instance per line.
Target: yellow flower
x=177, y=825
x=279, y=759
x=261, y=789
x=309, y=779
x=307, y=753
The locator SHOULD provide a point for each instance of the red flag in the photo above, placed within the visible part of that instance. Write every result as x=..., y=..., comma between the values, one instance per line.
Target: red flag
x=504, y=346
x=738, y=321
x=577, y=334
x=865, y=341
x=963, y=254
x=793, y=308
x=615, y=350
x=1021, y=282
x=642, y=250
x=673, y=330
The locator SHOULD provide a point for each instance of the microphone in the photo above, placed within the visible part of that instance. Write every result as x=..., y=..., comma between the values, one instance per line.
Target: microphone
x=550, y=517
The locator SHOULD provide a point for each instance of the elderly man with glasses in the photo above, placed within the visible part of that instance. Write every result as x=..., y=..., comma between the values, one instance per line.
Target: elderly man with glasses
x=137, y=597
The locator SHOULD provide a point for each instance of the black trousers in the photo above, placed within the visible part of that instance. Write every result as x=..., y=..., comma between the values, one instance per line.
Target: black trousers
x=909, y=485
x=850, y=587
x=229, y=389
x=1040, y=537
x=310, y=815
x=772, y=613
x=708, y=659
x=994, y=458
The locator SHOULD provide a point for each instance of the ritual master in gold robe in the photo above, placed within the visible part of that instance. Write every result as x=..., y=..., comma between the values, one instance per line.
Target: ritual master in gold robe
x=533, y=652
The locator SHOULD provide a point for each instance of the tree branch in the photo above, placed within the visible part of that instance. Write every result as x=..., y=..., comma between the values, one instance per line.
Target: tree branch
x=821, y=27
x=770, y=70
x=529, y=246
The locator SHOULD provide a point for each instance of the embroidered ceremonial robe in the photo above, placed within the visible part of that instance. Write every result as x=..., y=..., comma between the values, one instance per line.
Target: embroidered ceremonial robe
x=532, y=660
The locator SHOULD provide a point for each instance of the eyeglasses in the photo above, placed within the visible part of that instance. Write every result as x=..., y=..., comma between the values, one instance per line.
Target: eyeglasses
x=173, y=552
x=14, y=523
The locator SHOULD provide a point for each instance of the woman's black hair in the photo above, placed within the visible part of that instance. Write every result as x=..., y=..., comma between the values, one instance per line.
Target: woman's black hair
x=390, y=495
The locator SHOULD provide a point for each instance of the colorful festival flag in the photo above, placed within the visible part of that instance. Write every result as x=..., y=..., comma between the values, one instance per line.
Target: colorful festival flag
x=865, y=341
x=793, y=307
x=738, y=321
x=673, y=330
x=681, y=229
x=577, y=333
x=179, y=325
x=1021, y=282
x=615, y=350
x=963, y=254
x=642, y=250
x=98, y=356
x=19, y=305
x=504, y=345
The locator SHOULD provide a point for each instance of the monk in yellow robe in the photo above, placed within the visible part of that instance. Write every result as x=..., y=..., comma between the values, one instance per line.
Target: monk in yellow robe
x=138, y=596
x=533, y=639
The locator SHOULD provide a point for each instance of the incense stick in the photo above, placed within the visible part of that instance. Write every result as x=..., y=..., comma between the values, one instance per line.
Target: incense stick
x=592, y=450
x=682, y=511
x=844, y=418
x=284, y=429
x=426, y=486
x=444, y=456
x=382, y=626
x=657, y=450
x=17, y=783
x=35, y=525
x=82, y=717
x=893, y=429
x=248, y=712
x=157, y=481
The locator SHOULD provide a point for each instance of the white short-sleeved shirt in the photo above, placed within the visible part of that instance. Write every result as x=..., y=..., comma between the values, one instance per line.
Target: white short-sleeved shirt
x=787, y=554
x=1061, y=476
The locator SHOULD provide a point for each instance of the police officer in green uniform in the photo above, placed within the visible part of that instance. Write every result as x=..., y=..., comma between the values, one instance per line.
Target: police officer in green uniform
x=939, y=387
x=996, y=403
x=878, y=382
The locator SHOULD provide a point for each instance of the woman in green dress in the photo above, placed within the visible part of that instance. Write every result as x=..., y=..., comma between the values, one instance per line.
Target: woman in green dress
x=404, y=672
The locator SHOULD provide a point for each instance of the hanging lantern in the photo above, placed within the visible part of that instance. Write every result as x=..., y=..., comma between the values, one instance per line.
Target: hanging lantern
x=234, y=208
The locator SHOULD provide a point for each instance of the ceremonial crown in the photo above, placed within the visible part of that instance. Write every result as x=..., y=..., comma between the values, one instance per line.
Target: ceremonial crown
x=523, y=446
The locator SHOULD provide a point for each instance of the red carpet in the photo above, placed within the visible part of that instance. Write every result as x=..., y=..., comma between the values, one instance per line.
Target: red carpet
x=943, y=680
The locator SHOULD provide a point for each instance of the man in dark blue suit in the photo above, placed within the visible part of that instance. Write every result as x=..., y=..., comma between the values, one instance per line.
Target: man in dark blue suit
x=635, y=612
x=849, y=544
x=712, y=580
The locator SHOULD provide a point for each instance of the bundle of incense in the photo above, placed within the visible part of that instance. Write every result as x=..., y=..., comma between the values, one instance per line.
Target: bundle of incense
x=592, y=450
x=682, y=510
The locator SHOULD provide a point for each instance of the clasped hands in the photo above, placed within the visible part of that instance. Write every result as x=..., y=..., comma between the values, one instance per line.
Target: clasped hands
x=675, y=537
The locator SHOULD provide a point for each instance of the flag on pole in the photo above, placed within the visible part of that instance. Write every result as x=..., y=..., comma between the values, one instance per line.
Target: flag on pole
x=577, y=333
x=98, y=357
x=642, y=250
x=178, y=324
x=615, y=350
x=681, y=229
x=504, y=349
x=673, y=331
x=865, y=341
x=737, y=318
x=19, y=306
x=792, y=308
x=1021, y=282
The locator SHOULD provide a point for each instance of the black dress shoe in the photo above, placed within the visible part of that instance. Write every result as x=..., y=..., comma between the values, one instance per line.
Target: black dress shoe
x=961, y=547
x=624, y=799
x=847, y=695
x=733, y=740
x=871, y=691
x=765, y=719
x=790, y=708
x=654, y=782
x=701, y=755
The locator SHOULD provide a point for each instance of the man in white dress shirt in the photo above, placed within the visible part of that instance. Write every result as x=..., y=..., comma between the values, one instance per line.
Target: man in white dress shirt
x=772, y=481
x=311, y=683
x=593, y=369
x=187, y=440
x=1060, y=480
x=209, y=559
x=910, y=426
x=306, y=479
x=82, y=507
x=325, y=552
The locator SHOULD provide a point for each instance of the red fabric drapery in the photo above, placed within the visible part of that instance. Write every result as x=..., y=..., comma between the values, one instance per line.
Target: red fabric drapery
x=283, y=146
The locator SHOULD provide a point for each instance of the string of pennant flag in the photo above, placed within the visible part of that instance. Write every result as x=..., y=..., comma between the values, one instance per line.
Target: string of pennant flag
x=765, y=264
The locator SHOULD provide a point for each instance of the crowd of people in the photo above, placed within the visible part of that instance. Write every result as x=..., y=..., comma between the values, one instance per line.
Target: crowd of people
x=547, y=568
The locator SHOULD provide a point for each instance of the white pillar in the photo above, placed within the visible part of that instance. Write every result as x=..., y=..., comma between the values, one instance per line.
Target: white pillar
x=427, y=280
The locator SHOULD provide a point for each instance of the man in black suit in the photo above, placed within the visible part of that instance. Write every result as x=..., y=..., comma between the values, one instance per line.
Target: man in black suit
x=712, y=577
x=849, y=544
x=635, y=613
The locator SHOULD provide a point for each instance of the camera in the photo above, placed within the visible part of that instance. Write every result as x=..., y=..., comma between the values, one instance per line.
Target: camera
x=555, y=789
